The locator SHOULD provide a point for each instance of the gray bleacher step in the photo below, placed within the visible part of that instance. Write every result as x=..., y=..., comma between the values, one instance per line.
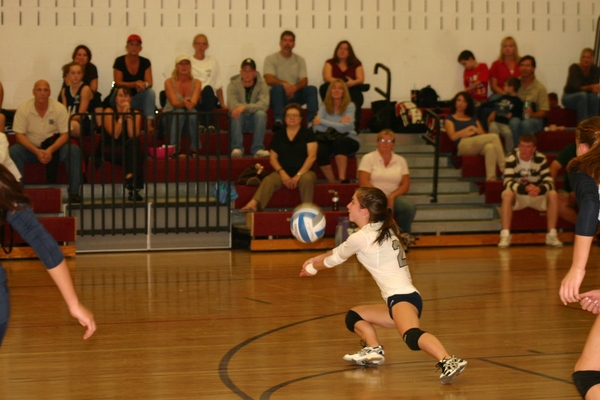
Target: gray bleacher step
x=444, y=186
x=402, y=149
x=451, y=172
x=450, y=226
x=457, y=213
x=426, y=161
x=473, y=199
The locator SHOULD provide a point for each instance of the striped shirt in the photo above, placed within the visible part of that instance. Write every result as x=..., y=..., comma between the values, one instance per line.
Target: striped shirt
x=518, y=173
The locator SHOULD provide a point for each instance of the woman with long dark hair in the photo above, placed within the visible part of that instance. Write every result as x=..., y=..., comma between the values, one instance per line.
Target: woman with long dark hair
x=465, y=130
x=378, y=248
x=15, y=209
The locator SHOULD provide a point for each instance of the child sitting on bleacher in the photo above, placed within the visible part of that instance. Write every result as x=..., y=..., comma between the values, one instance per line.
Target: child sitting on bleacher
x=506, y=107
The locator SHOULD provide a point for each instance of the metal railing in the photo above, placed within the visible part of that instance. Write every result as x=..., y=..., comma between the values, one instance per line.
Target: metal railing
x=432, y=136
x=170, y=189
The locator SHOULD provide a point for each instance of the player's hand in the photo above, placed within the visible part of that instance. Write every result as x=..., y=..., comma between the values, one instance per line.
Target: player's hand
x=569, y=288
x=85, y=318
x=590, y=301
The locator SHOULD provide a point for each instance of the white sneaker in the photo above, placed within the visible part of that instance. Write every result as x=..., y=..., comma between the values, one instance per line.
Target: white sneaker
x=368, y=355
x=262, y=153
x=504, y=241
x=237, y=153
x=552, y=240
x=451, y=367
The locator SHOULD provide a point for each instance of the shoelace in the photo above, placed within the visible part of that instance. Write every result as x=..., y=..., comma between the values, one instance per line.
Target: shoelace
x=448, y=364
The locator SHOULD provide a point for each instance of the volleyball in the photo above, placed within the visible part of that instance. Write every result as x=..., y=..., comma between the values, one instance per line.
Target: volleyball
x=307, y=223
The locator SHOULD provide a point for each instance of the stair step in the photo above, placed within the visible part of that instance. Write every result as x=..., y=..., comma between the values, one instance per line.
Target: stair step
x=426, y=186
x=469, y=213
x=455, y=226
x=473, y=199
x=416, y=173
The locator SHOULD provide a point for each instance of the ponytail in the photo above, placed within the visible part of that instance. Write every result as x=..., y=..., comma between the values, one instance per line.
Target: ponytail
x=375, y=201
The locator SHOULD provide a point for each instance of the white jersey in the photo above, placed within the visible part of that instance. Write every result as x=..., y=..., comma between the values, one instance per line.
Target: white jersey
x=386, y=262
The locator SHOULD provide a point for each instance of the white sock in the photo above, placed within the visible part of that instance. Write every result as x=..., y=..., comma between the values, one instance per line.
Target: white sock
x=504, y=232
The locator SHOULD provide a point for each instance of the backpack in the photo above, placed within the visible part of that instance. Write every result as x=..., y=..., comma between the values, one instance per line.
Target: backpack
x=428, y=97
x=383, y=116
x=344, y=229
x=410, y=118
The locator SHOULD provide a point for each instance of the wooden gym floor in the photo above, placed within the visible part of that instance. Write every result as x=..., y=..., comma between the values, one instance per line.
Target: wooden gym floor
x=241, y=325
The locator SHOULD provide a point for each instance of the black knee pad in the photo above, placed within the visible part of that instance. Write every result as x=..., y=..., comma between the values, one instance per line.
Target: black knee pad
x=411, y=338
x=351, y=319
x=584, y=380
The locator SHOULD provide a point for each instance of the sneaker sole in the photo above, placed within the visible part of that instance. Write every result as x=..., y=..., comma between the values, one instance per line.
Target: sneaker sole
x=448, y=379
x=371, y=362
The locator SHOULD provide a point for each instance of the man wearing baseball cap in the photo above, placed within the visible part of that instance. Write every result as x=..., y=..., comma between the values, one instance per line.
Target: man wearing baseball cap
x=248, y=101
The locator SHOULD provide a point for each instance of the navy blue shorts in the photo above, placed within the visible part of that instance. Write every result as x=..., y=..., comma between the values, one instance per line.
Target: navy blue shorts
x=413, y=298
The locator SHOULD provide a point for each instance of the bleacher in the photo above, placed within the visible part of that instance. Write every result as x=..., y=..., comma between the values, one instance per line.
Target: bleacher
x=269, y=229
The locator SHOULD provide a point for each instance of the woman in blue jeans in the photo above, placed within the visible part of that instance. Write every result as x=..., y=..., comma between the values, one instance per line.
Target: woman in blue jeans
x=15, y=209
x=388, y=171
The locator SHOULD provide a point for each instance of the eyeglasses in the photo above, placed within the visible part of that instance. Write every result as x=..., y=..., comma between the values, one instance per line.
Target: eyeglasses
x=292, y=115
x=386, y=140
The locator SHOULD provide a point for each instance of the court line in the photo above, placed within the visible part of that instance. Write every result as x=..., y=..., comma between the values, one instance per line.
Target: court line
x=224, y=363
x=266, y=395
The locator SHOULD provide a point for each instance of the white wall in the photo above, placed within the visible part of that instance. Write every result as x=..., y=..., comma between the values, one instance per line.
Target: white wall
x=419, y=40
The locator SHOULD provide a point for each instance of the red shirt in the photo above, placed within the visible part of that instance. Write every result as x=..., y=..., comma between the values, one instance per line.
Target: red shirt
x=501, y=72
x=479, y=73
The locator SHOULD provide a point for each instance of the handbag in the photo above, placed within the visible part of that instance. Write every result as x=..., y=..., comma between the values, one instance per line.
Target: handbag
x=252, y=175
x=329, y=135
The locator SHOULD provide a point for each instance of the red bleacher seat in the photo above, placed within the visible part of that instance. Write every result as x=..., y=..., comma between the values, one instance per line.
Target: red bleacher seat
x=289, y=199
x=554, y=141
x=268, y=223
x=562, y=117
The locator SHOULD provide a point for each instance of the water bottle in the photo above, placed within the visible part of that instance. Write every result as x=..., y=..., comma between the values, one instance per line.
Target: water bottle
x=526, y=105
x=335, y=200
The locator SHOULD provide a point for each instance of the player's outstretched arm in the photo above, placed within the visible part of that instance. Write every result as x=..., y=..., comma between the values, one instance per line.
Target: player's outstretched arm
x=62, y=278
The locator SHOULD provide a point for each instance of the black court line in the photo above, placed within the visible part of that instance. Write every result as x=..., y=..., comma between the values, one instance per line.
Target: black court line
x=224, y=363
x=258, y=301
x=526, y=371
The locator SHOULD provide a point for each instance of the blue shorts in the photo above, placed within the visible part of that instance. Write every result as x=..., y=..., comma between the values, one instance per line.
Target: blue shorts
x=413, y=298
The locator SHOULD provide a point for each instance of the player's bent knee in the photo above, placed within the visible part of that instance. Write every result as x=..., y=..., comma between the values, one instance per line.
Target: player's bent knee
x=584, y=380
x=351, y=319
x=411, y=338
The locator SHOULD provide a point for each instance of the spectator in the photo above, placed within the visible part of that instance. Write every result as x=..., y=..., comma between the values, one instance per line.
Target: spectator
x=468, y=135
x=475, y=76
x=346, y=66
x=183, y=93
x=553, y=101
x=77, y=97
x=206, y=68
x=567, y=205
x=506, y=66
x=528, y=183
x=121, y=144
x=293, y=152
x=582, y=88
x=535, y=101
x=248, y=101
x=389, y=172
x=135, y=72
x=334, y=126
x=285, y=72
x=508, y=106
x=82, y=55
x=41, y=128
